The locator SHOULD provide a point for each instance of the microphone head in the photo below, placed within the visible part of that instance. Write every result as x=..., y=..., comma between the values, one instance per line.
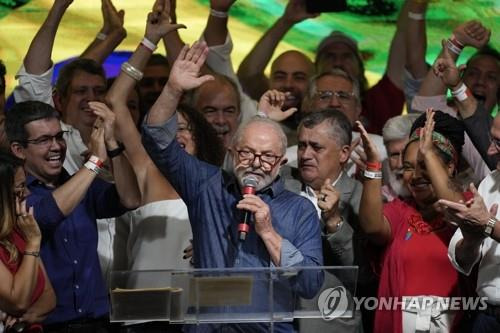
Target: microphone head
x=250, y=181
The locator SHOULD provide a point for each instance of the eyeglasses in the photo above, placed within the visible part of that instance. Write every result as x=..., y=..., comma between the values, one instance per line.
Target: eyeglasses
x=267, y=160
x=495, y=141
x=327, y=95
x=47, y=140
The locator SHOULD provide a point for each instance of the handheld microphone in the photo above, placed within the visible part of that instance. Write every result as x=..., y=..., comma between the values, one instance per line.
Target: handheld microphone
x=249, y=185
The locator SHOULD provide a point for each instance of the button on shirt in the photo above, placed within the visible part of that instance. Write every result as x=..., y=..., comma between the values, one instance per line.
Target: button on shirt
x=211, y=196
x=69, y=248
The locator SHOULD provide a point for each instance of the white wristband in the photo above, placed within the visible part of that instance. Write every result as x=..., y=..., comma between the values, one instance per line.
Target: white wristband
x=218, y=13
x=416, y=16
x=92, y=167
x=262, y=114
x=101, y=36
x=148, y=44
x=372, y=174
x=454, y=45
x=461, y=93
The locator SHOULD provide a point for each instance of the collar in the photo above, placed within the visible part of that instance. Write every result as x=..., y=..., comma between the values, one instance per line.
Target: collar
x=309, y=191
x=32, y=180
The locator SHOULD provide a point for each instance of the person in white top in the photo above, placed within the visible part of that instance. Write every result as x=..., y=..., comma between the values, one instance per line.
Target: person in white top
x=477, y=239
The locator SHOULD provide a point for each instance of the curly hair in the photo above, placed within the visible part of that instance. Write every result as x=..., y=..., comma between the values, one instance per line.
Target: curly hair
x=209, y=147
x=451, y=128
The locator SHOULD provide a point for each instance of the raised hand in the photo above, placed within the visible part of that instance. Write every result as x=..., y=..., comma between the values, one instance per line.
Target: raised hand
x=358, y=155
x=185, y=71
x=271, y=103
x=445, y=68
x=112, y=18
x=158, y=22
x=221, y=5
x=425, y=144
x=107, y=117
x=296, y=12
x=372, y=154
x=472, y=33
x=97, y=145
x=28, y=226
x=328, y=202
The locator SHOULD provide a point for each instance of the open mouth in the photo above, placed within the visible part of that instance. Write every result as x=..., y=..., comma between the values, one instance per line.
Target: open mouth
x=55, y=160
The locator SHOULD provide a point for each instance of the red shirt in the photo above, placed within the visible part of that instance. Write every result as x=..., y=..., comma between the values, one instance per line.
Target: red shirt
x=381, y=102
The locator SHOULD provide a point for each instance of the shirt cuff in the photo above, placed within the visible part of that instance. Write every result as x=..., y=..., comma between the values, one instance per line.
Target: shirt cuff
x=290, y=255
x=162, y=135
x=452, y=254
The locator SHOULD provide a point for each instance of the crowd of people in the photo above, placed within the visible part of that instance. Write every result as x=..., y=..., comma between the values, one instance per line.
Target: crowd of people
x=146, y=171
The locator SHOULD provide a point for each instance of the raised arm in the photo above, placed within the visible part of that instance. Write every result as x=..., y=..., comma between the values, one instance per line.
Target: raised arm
x=110, y=36
x=397, y=51
x=172, y=41
x=416, y=39
x=251, y=70
x=437, y=170
x=371, y=218
x=157, y=26
x=38, y=59
x=215, y=32
x=183, y=77
x=471, y=33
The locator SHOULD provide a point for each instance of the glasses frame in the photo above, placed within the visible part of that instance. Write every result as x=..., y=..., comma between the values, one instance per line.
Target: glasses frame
x=249, y=160
x=347, y=98
x=59, y=138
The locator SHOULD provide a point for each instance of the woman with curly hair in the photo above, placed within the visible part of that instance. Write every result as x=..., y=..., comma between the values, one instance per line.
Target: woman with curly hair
x=26, y=295
x=413, y=236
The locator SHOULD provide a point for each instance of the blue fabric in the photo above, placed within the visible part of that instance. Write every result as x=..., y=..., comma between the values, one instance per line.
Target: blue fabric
x=484, y=323
x=211, y=196
x=69, y=248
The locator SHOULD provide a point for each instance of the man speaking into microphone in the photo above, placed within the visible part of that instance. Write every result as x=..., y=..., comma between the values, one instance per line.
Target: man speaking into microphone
x=285, y=229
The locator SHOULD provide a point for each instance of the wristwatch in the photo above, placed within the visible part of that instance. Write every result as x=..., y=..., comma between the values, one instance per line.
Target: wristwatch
x=490, y=226
x=117, y=151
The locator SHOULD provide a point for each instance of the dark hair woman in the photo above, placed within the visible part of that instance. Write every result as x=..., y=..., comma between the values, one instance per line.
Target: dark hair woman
x=26, y=294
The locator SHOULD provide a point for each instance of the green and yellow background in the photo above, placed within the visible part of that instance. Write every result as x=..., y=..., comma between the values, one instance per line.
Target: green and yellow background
x=249, y=19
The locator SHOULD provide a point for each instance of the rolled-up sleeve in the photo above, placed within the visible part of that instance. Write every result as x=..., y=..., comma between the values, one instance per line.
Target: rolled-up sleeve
x=452, y=254
x=290, y=255
x=33, y=87
x=160, y=135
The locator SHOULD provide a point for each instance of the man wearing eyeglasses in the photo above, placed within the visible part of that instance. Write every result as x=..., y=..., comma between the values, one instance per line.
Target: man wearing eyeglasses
x=66, y=208
x=337, y=90
x=285, y=229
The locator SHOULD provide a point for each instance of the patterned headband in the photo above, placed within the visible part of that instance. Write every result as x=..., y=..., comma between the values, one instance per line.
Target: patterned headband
x=440, y=141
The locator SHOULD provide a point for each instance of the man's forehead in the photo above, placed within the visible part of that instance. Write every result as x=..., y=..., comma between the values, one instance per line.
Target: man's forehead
x=43, y=126
x=82, y=78
x=328, y=81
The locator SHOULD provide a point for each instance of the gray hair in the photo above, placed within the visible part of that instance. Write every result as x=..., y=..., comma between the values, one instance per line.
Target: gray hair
x=340, y=129
x=336, y=72
x=275, y=126
x=399, y=127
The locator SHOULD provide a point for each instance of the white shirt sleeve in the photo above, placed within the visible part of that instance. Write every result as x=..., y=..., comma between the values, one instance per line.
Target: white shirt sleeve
x=33, y=87
x=452, y=254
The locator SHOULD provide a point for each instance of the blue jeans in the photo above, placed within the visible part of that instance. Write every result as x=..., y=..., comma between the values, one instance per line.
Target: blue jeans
x=484, y=323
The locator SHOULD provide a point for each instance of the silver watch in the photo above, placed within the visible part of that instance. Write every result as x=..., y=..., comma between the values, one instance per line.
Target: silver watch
x=490, y=226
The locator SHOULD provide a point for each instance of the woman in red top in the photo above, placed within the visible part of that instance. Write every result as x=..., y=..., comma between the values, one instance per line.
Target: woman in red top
x=413, y=236
x=26, y=294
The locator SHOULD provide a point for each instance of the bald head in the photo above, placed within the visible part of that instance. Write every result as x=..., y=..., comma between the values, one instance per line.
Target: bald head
x=290, y=72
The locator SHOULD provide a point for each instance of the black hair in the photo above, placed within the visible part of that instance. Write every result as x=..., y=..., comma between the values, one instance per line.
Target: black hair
x=23, y=113
x=450, y=127
x=3, y=71
x=209, y=147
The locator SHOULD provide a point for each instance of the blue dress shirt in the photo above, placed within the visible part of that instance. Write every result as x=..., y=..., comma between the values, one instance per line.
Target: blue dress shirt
x=69, y=248
x=211, y=196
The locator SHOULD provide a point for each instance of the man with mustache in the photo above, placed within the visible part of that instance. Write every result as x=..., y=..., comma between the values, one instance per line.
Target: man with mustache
x=285, y=230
